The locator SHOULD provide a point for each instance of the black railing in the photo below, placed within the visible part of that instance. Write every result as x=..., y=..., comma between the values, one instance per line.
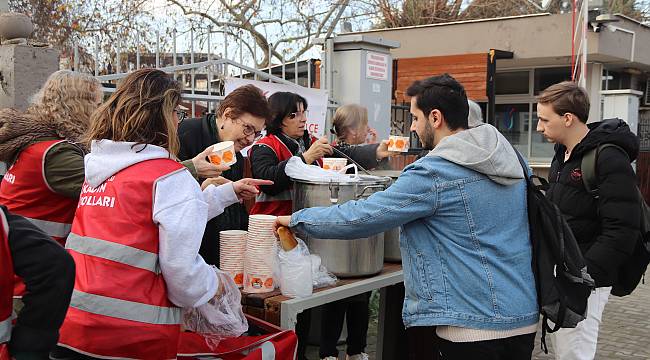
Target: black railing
x=400, y=124
x=644, y=131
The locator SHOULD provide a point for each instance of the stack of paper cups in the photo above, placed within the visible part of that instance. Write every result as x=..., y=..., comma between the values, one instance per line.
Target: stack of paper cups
x=232, y=247
x=260, y=254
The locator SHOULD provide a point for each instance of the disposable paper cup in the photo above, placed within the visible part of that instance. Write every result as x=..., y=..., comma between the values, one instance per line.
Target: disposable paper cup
x=223, y=153
x=335, y=164
x=398, y=143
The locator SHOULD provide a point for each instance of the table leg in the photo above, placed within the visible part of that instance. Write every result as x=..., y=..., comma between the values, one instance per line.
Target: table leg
x=391, y=334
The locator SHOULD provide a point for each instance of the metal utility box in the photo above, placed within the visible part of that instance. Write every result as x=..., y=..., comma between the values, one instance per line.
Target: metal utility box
x=362, y=73
x=622, y=104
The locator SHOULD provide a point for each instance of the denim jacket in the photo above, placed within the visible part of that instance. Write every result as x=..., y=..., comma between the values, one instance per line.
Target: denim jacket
x=464, y=233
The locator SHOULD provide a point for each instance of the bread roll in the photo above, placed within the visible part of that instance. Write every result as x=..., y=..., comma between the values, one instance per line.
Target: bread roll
x=287, y=240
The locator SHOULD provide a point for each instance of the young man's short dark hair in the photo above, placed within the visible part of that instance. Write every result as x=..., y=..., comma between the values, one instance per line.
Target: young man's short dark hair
x=566, y=97
x=444, y=93
x=283, y=104
x=245, y=99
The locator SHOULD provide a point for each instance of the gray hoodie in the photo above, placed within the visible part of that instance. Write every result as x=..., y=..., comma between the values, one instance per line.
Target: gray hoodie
x=484, y=150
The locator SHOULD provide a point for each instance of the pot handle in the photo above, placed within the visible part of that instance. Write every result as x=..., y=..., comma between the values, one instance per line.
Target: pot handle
x=363, y=191
x=334, y=193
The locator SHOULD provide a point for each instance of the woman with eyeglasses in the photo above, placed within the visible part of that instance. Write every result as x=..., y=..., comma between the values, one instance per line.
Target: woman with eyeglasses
x=287, y=136
x=240, y=118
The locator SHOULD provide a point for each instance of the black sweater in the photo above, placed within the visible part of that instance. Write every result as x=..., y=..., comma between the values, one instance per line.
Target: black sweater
x=195, y=135
x=48, y=272
x=606, y=228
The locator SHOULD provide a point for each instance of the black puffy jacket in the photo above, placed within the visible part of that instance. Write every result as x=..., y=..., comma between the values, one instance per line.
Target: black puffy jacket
x=606, y=228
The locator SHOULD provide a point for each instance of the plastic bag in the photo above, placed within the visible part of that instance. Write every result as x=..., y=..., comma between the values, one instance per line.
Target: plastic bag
x=297, y=169
x=320, y=276
x=221, y=317
x=300, y=272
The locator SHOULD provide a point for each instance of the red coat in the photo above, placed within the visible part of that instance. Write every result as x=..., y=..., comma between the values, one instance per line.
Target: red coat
x=281, y=203
x=6, y=287
x=119, y=305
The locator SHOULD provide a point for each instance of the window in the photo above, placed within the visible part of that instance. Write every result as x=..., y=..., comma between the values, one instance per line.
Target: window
x=511, y=83
x=546, y=77
x=516, y=113
x=512, y=120
x=540, y=147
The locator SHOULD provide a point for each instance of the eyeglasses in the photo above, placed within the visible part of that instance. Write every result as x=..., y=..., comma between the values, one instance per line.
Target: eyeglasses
x=250, y=130
x=182, y=114
x=294, y=115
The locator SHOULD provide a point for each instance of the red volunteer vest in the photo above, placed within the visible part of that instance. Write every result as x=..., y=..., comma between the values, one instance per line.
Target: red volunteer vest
x=25, y=192
x=6, y=287
x=279, y=204
x=119, y=306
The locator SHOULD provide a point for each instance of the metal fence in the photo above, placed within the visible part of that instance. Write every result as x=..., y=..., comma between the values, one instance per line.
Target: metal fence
x=644, y=130
x=202, y=74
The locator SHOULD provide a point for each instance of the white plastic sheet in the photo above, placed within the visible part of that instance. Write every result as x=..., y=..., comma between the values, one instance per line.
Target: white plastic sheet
x=297, y=169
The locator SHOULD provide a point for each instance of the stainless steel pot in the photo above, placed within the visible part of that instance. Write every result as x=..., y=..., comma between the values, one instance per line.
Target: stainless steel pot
x=392, y=252
x=344, y=258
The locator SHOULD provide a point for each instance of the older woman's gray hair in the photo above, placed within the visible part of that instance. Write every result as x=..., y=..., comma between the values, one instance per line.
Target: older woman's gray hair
x=475, y=117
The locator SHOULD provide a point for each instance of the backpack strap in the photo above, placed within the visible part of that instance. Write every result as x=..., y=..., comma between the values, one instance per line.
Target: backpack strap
x=588, y=168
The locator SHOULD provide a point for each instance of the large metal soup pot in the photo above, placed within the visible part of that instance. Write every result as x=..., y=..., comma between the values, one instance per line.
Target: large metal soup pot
x=344, y=258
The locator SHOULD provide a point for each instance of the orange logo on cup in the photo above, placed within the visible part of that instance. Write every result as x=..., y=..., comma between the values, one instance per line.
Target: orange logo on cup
x=391, y=143
x=227, y=156
x=398, y=144
x=239, y=279
x=215, y=159
x=269, y=283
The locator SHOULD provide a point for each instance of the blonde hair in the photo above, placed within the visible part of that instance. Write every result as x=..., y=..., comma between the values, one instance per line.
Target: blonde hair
x=141, y=110
x=349, y=117
x=66, y=100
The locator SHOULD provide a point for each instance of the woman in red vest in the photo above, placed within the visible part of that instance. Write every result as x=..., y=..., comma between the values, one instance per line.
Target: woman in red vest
x=137, y=231
x=41, y=147
x=287, y=136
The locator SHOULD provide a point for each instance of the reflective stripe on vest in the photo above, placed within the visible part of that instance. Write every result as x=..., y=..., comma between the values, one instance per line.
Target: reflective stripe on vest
x=5, y=330
x=113, y=251
x=264, y=197
x=52, y=228
x=124, y=309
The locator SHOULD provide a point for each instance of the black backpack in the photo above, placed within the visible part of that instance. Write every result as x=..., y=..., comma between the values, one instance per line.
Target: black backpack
x=561, y=278
x=633, y=270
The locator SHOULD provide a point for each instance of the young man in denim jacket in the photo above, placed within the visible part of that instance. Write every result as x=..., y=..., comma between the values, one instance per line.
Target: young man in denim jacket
x=464, y=230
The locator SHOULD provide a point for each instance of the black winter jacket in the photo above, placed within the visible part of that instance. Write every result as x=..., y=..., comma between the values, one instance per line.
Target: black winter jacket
x=195, y=135
x=48, y=272
x=606, y=228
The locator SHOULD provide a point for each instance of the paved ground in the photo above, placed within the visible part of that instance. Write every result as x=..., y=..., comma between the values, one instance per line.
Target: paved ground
x=625, y=332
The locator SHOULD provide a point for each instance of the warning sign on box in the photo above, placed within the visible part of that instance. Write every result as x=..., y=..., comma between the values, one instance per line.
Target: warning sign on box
x=377, y=66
